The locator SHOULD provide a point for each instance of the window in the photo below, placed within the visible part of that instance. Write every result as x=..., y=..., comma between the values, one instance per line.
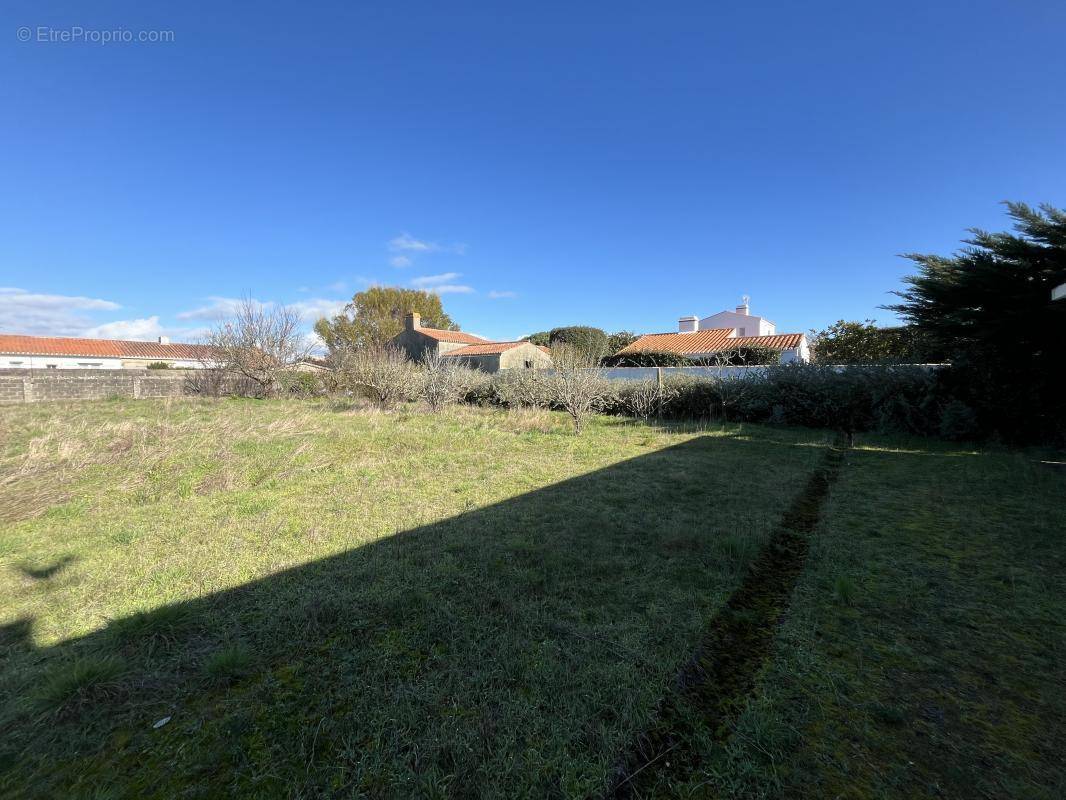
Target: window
x=15, y=363
x=52, y=366
x=740, y=331
x=90, y=364
x=529, y=364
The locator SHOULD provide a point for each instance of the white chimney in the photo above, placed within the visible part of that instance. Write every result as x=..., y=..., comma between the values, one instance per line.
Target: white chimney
x=164, y=340
x=412, y=320
x=688, y=324
x=743, y=307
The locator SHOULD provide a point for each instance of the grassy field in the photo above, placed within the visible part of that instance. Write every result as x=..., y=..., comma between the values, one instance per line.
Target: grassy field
x=325, y=601
x=924, y=654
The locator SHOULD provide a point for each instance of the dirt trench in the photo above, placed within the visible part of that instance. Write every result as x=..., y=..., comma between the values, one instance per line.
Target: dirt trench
x=713, y=687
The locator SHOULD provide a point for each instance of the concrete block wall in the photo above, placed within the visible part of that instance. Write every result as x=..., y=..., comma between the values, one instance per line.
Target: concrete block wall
x=45, y=385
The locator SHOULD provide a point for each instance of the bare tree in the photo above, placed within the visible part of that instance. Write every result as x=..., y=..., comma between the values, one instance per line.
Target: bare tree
x=379, y=371
x=259, y=342
x=577, y=383
x=444, y=380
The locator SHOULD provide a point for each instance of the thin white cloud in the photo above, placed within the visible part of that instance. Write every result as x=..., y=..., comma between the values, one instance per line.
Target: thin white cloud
x=406, y=243
x=217, y=308
x=314, y=310
x=145, y=329
x=311, y=309
x=429, y=280
x=498, y=295
x=400, y=261
x=441, y=284
x=22, y=311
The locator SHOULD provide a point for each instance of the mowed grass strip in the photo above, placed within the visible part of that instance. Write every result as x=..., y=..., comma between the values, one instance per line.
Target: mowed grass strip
x=925, y=651
x=321, y=600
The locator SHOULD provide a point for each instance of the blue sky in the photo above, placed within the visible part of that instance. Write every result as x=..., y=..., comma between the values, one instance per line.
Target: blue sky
x=615, y=164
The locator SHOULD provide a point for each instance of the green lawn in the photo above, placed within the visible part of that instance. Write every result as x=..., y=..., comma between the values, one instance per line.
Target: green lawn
x=336, y=602
x=352, y=602
x=924, y=654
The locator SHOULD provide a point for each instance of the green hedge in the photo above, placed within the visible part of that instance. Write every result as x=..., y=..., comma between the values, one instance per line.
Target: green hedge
x=896, y=399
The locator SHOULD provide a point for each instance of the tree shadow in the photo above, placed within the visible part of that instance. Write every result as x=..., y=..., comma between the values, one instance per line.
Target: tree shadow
x=46, y=572
x=510, y=650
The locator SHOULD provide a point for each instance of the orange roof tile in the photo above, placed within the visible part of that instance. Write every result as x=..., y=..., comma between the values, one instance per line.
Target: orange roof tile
x=488, y=348
x=17, y=344
x=450, y=336
x=713, y=340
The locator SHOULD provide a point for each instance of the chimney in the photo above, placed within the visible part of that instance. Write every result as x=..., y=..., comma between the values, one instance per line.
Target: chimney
x=743, y=307
x=412, y=321
x=688, y=324
x=164, y=340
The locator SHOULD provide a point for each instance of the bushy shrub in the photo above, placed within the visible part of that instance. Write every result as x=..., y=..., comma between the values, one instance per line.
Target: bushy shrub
x=158, y=365
x=745, y=356
x=890, y=399
x=647, y=358
x=590, y=341
x=305, y=384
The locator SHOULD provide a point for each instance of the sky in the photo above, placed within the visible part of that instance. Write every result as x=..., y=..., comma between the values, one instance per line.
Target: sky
x=537, y=164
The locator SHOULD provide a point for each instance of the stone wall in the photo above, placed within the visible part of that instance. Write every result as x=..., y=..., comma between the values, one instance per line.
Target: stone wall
x=43, y=385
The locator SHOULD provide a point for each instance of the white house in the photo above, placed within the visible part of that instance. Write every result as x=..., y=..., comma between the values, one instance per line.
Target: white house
x=56, y=352
x=722, y=332
x=742, y=321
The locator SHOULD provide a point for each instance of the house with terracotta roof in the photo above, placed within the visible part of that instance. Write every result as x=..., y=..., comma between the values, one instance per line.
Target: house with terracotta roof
x=474, y=351
x=61, y=352
x=721, y=333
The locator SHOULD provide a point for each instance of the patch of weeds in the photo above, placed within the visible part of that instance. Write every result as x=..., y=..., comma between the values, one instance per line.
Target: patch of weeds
x=229, y=663
x=317, y=617
x=738, y=551
x=158, y=626
x=890, y=715
x=845, y=590
x=77, y=682
x=69, y=510
x=248, y=506
x=124, y=537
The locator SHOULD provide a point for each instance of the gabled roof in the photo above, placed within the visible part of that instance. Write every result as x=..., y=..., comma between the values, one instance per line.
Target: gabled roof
x=713, y=340
x=489, y=348
x=450, y=336
x=17, y=344
x=737, y=313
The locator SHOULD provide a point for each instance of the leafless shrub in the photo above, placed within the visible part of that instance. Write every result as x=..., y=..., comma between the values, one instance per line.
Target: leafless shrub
x=259, y=343
x=646, y=399
x=380, y=372
x=445, y=381
x=577, y=384
x=522, y=388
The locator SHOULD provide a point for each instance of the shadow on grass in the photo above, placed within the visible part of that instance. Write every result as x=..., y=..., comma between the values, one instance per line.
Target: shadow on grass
x=510, y=650
x=46, y=572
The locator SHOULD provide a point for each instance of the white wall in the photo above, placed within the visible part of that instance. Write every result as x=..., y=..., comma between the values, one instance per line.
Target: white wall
x=649, y=373
x=752, y=325
x=8, y=361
